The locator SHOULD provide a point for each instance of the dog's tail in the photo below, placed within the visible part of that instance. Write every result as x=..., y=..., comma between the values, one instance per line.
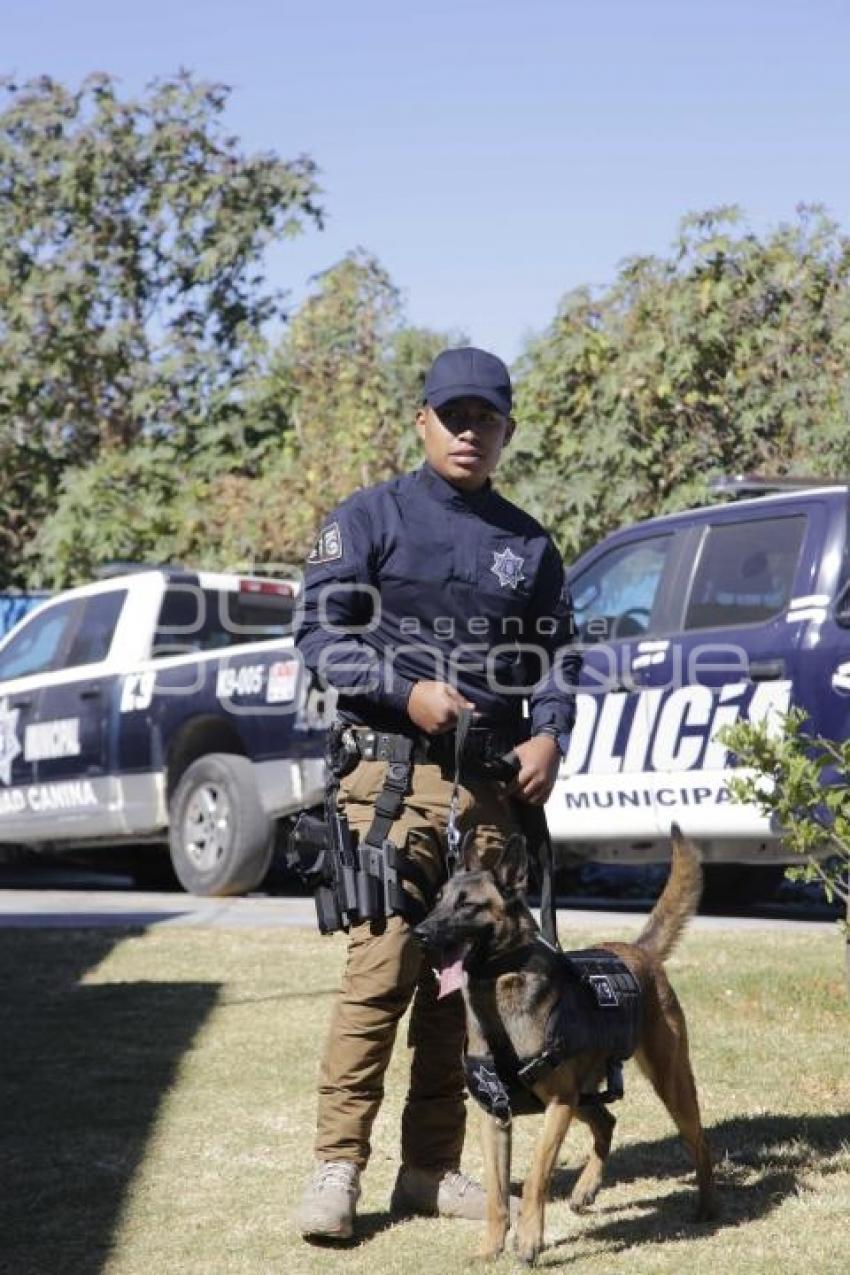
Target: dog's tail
x=679, y=899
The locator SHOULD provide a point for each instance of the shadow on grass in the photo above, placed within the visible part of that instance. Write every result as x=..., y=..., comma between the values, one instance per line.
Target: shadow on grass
x=83, y=1071
x=780, y=1150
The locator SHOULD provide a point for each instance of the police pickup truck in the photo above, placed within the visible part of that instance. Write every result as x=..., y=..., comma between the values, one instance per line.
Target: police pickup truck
x=160, y=705
x=688, y=622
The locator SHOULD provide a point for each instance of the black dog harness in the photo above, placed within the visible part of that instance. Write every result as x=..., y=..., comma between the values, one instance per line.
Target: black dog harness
x=598, y=1009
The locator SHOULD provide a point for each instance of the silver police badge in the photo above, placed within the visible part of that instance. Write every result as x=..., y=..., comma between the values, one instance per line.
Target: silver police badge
x=507, y=567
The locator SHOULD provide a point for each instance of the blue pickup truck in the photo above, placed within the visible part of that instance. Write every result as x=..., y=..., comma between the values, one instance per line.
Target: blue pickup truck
x=161, y=705
x=688, y=622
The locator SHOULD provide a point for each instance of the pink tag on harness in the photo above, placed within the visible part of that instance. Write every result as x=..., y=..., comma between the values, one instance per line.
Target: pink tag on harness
x=451, y=978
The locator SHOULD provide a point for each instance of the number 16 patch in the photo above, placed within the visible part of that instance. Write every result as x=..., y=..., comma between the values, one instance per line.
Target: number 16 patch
x=328, y=547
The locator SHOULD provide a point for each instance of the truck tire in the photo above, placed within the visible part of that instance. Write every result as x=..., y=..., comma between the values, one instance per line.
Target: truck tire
x=219, y=835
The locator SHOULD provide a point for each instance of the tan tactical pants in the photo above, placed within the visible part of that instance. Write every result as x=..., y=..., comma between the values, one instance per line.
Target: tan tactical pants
x=385, y=969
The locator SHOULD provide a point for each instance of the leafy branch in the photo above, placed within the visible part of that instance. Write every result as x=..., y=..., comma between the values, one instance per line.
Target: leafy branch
x=801, y=781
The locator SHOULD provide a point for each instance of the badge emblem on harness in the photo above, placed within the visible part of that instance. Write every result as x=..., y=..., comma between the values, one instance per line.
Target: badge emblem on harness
x=487, y=1089
x=603, y=990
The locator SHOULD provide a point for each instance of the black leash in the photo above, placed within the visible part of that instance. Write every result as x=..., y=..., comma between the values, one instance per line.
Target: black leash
x=532, y=822
x=464, y=721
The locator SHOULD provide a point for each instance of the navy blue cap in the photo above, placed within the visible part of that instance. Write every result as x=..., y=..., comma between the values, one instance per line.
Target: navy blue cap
x=469, y=373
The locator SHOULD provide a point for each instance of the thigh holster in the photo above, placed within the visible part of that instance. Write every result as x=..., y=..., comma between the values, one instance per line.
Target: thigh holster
x=356, y=879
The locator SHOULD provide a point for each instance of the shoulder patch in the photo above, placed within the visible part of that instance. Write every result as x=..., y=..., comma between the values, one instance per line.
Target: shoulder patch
x=328, y=547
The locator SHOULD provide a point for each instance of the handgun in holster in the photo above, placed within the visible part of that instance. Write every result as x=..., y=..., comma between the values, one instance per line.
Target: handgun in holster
x=324, y=854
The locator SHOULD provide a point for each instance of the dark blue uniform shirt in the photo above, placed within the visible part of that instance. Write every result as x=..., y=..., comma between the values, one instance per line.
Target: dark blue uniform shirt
x=417, y=580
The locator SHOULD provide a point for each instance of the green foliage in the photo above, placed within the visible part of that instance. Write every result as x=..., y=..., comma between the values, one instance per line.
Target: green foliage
x=133, y=339
x=132, y=298
x=801, y=781
x=139, y=505
x=29, y=477
x=347, y=377
x=731, y=355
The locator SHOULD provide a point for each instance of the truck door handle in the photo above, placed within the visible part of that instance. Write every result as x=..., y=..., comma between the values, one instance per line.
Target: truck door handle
x=766, y=670
x=92, y=692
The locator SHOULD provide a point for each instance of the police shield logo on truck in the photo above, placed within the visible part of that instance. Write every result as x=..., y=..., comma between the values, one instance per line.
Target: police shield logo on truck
x=10, y=746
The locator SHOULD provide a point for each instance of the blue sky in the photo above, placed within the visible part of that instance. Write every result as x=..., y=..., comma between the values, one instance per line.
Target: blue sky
x=495, y=155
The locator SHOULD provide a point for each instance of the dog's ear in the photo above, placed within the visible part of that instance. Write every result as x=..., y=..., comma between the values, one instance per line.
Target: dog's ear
x=469, y=855
x=511, y=870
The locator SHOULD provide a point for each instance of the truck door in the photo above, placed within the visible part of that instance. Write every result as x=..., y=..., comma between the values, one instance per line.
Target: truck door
x=28, y=655
x=70, y=741
x=732, y=652
x=616, y=597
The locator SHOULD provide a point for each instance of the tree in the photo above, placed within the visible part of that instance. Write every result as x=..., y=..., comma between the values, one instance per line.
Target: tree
x=802, y=781
x=346, y=378
x=731, y=355
x=132, y=297
x=133, y=505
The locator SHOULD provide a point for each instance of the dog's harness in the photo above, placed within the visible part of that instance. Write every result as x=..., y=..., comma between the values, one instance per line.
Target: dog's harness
x=598, y=1010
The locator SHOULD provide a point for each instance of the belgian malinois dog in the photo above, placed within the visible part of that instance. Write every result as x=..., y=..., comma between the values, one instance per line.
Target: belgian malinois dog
x=512, y=985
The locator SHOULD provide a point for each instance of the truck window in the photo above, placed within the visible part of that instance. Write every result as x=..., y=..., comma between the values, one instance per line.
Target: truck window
x=193, y=619
x=257, y=617
x=745, y=572
x=96, y=628
x=614, y=597
x=36, y=649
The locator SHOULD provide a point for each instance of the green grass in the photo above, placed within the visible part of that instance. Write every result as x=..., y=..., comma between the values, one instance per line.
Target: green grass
x=158, y=1112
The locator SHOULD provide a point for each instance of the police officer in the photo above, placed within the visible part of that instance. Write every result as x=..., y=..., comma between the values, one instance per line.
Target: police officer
x=425, y=595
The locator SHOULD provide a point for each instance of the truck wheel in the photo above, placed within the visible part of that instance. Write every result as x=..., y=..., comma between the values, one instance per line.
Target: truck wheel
x=220, y=836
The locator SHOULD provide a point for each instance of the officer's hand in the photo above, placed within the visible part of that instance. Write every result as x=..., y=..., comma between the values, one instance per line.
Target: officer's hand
x=434, y=706
x=539, y=760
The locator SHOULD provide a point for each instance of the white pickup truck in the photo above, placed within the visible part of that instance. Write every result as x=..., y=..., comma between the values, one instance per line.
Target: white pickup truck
x=160, y=705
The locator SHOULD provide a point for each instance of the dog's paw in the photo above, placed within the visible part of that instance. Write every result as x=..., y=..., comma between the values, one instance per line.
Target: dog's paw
x=580, y=1201
x=527, y=1250
x=488, y=1253
x=492, y=1243
x=528, y=1256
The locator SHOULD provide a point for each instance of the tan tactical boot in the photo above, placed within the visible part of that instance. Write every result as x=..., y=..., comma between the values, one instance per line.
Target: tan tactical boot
x=434, y=1193
x=330, y=1197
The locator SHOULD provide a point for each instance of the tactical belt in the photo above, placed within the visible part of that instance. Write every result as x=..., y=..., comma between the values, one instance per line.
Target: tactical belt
x=469, y=752
x=359, y=881
x=482, y=751
x=381, y=869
